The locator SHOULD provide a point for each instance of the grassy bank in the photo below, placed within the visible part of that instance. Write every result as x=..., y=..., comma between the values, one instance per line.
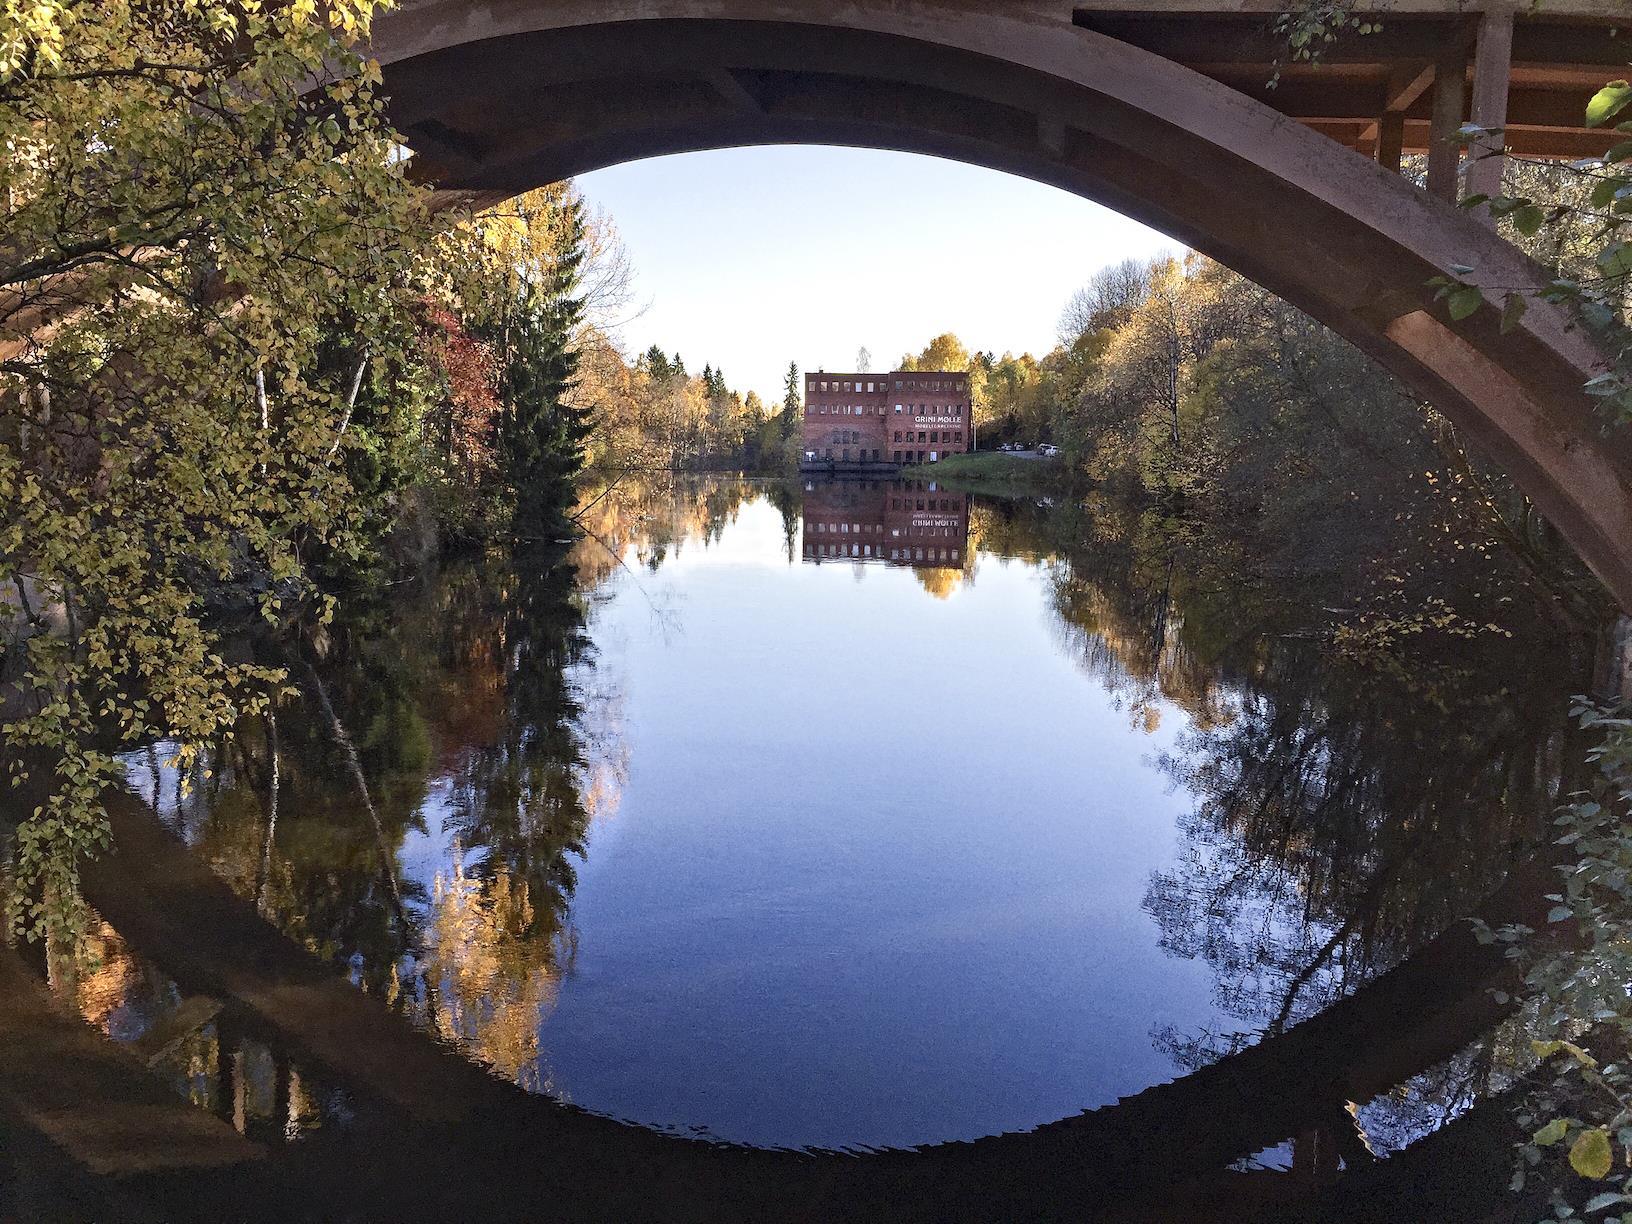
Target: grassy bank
x=991, y=468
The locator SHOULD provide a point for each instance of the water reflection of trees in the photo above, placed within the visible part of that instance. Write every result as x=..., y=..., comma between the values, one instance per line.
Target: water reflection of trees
x=482, y=731
x=1349, y=804
x=484, y=727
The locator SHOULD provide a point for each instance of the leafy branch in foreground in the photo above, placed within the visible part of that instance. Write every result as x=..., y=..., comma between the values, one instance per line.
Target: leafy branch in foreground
x=1583, y=213
x=1577, y=1013
x=207, y=249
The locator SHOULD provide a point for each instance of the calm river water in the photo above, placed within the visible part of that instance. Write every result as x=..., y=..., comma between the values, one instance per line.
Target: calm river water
x=863, y=814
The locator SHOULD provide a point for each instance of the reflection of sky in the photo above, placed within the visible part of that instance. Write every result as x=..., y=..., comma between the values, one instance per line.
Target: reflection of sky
x=426, y=851
x=882, y=864
x=877, y=873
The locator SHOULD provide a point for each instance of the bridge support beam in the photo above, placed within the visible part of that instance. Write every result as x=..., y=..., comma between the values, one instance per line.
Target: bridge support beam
x=1444, y=151
x=1492, y=72
x=1406, y=84
x=1391, y=140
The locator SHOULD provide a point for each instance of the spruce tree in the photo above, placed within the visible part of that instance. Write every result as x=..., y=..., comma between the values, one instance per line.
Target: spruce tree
x=791, y=401
x=542, y=433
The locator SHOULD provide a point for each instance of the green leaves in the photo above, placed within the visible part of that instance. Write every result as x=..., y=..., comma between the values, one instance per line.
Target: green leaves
x=1608, y=102
x=1551, y=1133
x=1463, y=301
x=1615, y=260
x=1590, y=1155
x=1528, y=219
x=221, y=164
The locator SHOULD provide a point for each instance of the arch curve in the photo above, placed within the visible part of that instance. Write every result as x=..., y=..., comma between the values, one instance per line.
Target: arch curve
x=498, y=96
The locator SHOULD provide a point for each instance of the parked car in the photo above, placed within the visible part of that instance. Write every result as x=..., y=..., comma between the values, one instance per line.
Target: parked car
x=1048, y=449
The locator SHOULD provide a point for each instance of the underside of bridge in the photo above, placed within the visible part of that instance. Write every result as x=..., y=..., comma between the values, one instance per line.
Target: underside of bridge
x=1161, y=111
x=1375, y=92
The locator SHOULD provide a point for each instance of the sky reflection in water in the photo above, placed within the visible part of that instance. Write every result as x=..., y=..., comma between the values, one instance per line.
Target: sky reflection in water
x=794, y=849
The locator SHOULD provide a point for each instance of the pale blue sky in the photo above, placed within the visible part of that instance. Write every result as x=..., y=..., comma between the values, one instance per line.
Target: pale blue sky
x=751, y=258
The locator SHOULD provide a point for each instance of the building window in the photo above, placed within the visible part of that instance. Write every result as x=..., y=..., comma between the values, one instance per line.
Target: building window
x=935, y=436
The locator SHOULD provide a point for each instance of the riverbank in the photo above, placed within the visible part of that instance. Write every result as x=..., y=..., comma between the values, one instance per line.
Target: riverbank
x=993, y=471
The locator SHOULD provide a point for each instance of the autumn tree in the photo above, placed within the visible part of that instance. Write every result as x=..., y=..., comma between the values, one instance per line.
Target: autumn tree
x=205, y=272
x=1107, y=300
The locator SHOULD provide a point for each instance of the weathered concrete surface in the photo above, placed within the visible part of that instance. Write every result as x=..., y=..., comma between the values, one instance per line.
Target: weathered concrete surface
x=498, y=97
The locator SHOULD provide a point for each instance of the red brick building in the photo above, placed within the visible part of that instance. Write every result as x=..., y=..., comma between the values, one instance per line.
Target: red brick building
x=859, y=421
x=898, y=522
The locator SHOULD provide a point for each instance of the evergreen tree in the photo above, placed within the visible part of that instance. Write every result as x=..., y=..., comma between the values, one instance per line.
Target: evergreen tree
x=791, y=402
x=541, y=432
x=657, y=366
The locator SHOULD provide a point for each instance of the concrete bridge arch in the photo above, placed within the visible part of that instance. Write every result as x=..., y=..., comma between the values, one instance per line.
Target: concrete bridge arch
x=498, y=96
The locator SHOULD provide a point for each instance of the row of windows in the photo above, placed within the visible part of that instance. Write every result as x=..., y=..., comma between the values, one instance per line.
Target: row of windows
x=821, y=527
x=906, y=503
x=847, y=528
x=933, y=435
x=896, y=554
x=952, y=410
x=882, y=384
x=861, y=455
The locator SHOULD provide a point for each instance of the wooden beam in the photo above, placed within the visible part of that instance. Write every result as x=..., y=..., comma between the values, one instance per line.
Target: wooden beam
x=1391, y=140
x=1444, y=153
x=1492, y=69
x=1523, y=141
x=1406, y=83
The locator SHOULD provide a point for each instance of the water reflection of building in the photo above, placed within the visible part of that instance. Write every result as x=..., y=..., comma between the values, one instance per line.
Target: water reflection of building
x=900, y=522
